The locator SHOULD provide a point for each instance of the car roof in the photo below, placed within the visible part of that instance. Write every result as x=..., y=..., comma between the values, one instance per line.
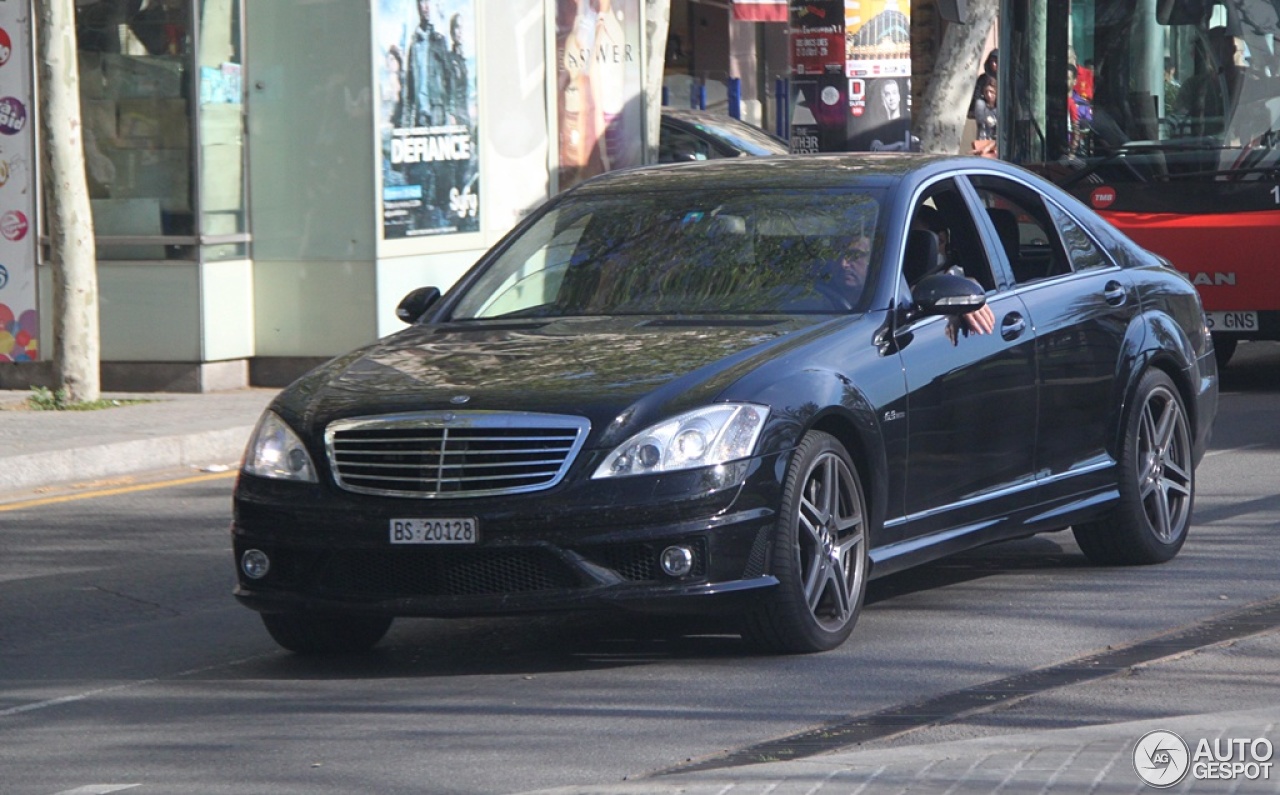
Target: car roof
x=821, y=171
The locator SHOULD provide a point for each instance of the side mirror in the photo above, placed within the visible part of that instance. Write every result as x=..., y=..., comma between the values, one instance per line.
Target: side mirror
x=946, y=294
x=414, y=305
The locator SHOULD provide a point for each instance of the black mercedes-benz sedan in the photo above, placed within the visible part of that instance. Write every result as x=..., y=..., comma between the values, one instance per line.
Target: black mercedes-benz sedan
x=739, y=387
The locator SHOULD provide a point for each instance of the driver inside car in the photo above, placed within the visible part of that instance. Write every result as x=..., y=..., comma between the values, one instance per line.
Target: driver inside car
x=854, y=262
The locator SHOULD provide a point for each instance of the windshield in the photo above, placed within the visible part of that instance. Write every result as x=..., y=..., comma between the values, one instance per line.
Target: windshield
x=1169, y=91
x=692, y=252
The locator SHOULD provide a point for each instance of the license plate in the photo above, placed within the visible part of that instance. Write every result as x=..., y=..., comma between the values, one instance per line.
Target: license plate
x=1232, y=321
x=435, y=531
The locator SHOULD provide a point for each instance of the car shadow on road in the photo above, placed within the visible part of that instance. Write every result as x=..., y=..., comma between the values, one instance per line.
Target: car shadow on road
x=527, y=646
x=1036, y=555
x=531, y=645
x=1254, y=368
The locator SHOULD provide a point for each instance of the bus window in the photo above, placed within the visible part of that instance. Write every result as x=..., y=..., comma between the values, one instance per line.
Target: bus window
x=1172, y=134
x=1105, y=78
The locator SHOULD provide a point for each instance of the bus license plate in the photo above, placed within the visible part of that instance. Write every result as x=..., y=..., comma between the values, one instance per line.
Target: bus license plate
x=435, y=531
x=1232, y=321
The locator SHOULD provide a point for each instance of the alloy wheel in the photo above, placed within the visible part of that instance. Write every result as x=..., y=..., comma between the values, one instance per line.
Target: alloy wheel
x=831, y=536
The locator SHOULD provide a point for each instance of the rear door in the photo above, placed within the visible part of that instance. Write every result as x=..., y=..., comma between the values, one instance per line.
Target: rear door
x=1081, y=303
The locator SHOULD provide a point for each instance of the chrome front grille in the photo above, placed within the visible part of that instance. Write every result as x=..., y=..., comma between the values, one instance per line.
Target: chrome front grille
x=443, y=454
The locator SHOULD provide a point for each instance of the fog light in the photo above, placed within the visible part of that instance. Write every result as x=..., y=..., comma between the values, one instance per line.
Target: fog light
x=677, y=561
x=255, y=564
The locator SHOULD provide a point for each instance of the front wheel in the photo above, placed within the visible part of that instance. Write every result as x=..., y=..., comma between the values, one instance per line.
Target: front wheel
x=319, y=633
x=819, y=554
x=1157, y=483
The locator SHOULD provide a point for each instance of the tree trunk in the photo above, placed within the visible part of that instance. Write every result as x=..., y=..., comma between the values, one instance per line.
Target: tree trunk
x=66, y=202
x=657, y=22
x=943, y=72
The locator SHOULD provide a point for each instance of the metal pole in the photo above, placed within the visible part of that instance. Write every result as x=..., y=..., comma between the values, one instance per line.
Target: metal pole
x=780, y=107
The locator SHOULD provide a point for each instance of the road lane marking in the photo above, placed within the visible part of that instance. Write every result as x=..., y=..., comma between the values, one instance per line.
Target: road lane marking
x=88, y=495
x=97, y=789
x=68, y=699
x=53, y=702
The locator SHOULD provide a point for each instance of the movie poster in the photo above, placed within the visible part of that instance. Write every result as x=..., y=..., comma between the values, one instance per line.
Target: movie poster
x=19, y=312
x=819, y=99
x=598, y=79
x=425, y=59
x=878, y=67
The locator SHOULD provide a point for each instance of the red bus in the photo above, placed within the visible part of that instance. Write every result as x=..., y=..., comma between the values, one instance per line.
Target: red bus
x=1163, y=115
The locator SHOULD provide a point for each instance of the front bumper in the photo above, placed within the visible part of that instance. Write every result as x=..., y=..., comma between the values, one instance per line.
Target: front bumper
x=590, y=545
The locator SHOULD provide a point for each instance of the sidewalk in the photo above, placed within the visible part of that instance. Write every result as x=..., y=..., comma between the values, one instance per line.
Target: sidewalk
x=44, y=448
x=1095, y=759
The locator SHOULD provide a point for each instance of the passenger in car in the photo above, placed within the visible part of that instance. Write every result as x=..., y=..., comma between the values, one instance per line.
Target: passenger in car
x=980, y=321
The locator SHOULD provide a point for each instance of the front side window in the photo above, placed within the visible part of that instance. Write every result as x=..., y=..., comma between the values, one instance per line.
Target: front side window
x=944, y=212
x=692, y=252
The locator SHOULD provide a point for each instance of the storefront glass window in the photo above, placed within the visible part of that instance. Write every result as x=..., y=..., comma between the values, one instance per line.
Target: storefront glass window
x=221, y=132
x=138, y=74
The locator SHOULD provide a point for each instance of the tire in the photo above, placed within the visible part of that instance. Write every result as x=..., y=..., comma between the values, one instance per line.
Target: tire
x=1157, y=483
x=1224, y=347
x=819, y=554
x=319, y=633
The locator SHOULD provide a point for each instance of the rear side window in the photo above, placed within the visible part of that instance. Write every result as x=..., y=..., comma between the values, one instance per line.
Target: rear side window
x=1028, y=233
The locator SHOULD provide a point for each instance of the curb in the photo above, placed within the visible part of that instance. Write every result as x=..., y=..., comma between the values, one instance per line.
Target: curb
x=34, y=470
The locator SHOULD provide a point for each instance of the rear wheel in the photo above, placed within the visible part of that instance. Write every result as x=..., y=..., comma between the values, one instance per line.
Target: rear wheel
x=819, y=554
x=1157, y=483
x=324, y=633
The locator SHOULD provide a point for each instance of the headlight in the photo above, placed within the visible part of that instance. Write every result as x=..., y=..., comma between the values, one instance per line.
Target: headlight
x=705, y=437
x=275, y=451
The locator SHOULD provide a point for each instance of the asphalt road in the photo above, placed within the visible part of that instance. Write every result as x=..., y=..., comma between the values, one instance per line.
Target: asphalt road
x=125, y=662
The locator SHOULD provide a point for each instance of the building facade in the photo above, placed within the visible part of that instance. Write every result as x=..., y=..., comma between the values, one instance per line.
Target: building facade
x=269, y=177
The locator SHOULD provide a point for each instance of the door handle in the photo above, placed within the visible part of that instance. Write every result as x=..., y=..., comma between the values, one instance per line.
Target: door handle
x=1012, y=326
x=1114, y=293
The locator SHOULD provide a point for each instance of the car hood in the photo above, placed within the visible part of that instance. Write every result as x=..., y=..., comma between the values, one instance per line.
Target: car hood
x=595, y=367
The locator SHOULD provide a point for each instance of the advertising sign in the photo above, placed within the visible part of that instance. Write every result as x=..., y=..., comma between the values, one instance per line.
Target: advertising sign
x=425, y=59
x=19, y=311
x=819, y=96
x=817, y=37
x=878, y=68
x=598, y=87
